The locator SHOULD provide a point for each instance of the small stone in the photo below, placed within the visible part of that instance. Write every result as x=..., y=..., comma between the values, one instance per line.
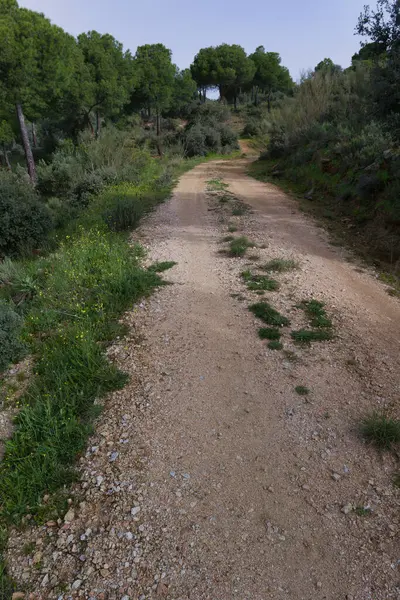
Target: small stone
x=70, y=516
x=77, y=584
x=135, y=510
x=45, y=580
x=347, y=508
x=125, y=598
x=335, y=476
x=319, y=585
x=51, y=524
x=37, y=558
x=305, y=487
x=99, y=480
x=18, y=596
x=114, y=456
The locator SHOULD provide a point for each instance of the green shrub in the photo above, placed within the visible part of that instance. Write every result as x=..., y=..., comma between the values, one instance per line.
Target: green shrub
x=269, y=315
x=266, y=333
x=381, y=430
x=11, y=346
x=238, y=246
x=24, y=220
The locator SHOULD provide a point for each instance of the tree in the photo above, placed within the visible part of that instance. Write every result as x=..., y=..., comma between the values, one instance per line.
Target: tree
x=368, y=52
x=226, y=67
x=381, y=26
x=203, y=70
x=110, y=72
x=270, y=76
x=155, y=74
x=184, y=90
x=327, y=66
x=35, y=66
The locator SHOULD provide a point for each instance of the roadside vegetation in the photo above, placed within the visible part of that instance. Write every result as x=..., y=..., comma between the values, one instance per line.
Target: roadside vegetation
x=335, y=140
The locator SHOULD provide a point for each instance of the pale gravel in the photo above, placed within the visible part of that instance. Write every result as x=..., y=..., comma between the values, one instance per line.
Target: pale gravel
x=245, y=489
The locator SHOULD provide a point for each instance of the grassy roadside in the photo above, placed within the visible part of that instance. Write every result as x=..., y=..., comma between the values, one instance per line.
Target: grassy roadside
x=345, y=228
x=70, y=302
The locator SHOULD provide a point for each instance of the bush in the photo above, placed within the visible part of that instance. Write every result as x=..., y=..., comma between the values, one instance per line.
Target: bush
x=11, y=347
x=195, y=141
x=25, y=220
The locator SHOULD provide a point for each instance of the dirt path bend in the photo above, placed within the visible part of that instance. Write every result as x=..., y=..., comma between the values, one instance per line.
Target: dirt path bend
x=209, y=477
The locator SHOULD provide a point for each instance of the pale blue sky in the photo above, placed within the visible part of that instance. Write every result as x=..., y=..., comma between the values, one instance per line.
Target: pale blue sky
x=302, y=31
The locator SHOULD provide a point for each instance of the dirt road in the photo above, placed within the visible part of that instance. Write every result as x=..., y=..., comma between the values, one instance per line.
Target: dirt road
x=209, y=477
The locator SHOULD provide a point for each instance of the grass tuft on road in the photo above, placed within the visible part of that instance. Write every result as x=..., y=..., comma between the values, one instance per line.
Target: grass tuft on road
x=381, y=430
x=239, y=246
x=279, y=265
x=266, y=333
x=269, y=315
x=259, y=282
x=316, y=313
x=306, y=336
x=275, y=345
x=301, y=390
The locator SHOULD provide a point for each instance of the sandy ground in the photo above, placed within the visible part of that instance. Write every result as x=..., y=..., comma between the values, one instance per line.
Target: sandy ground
x=208, y=476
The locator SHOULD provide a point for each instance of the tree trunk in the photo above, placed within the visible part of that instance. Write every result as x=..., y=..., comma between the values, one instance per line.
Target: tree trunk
x=158, y=123
x=256, y=96
x=269, y=102
x=30, y=162
x=34, y=136
x=235, y=101
x=6, y=159
x=89, y=122
x=98, y=124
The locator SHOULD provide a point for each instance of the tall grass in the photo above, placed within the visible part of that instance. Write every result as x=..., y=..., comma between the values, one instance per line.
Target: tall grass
x=82, y=289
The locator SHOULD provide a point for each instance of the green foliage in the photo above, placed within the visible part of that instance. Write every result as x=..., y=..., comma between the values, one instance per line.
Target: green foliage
x=160, y=267
x=301, y=390
x=259, y=282
x=25, y=220
x=207, y=131
x=381, y=430
x=110, y=73
x=11, y=346
x=274, y=345
x=83, y=287
x=239, y=246
x=239, y=210
x=317, y=314
x=226, y=67
x=155, y=73
x=269, y=334
x=269, y=315
x=279, y=265
x=270, y=76
x=306, y=336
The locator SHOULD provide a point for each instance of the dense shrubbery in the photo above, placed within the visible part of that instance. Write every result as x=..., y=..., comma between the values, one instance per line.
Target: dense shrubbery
x=24, y=220
x=329, y=141
x=208, y=131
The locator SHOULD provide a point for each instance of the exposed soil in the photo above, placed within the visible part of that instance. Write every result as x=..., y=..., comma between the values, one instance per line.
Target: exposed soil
x=208, y=476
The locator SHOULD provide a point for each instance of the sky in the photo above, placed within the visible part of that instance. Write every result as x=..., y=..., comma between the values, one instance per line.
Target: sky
x=302, y=31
